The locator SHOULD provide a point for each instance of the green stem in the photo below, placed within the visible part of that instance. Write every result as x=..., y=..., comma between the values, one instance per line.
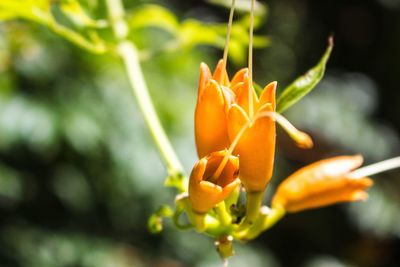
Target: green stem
x=253, y=205
x=128, y=52
x=224, y=246
x=223, y=214
x=265, y=221
x=267, y=218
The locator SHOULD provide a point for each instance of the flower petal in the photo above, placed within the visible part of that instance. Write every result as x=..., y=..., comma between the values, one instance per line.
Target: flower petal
x=242, y=94
x=210, y=121
x=268, y=95
x=205, y=77
x=255, y=149
x=204, y=193
x=322, y=183
x=220, y=74
x=239, y=77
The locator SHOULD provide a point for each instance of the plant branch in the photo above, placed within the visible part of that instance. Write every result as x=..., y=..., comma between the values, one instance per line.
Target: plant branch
x=129, y=55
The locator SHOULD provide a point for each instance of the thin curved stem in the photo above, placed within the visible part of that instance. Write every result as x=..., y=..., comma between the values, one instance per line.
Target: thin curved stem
x=129, y=55
x=376, y=168
x=250, y=63
x=228, y=34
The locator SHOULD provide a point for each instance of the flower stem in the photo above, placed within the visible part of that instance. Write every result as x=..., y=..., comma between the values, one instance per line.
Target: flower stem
x=223, y=214
x=224, y=246
x=129, y=55
x=250, y=63
x=375, y=168
x=253, y=205
x=268, y=218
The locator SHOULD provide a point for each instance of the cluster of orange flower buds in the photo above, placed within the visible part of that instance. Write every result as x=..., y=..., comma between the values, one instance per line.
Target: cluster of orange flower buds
x=235, y=133
x=225, y=119
x=221, y=112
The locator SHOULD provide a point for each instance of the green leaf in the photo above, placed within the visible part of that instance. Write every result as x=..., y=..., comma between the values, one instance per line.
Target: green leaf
x=258, y=88
x=193, y=32
x=36, y=10
x=75, y=12
x=304, y=84
x=241, y=5
x=153, y=16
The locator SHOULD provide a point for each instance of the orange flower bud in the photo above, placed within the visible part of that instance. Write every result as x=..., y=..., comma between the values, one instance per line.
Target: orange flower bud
x=322, y=183
x=206, y=191
x=210, y=116
x=223, y=109
x=256, y=148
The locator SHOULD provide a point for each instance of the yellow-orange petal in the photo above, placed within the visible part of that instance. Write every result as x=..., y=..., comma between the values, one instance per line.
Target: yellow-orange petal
x=205, y=191
x=256, y=148
x=322, y=183
x=220, y=74
x=241, y=91
x=239, y=77
x=268, y=95
x=210, y=121
x=205, y=77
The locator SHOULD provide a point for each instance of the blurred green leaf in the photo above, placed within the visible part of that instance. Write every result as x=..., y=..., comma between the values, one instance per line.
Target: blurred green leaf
x=241, y=5
x=193, y=32
x=153, y=16
x=10, y=183
x=76, y=13
x=38, y=10
x=304, y=84
x=258, y=88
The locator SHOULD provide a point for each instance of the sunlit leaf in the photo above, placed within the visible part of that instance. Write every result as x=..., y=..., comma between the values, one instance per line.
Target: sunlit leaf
x=153, y=16
x=193, y=32
x=77, y=15
x=29, y=9
x=304, y=84
x=241, y=5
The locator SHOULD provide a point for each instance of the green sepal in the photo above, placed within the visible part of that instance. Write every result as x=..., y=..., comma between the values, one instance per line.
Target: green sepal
x=304, y=84
x=177, y=180
x=155, y=222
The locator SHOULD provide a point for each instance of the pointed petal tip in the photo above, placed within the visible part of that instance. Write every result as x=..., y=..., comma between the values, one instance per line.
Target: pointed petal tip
x=367, y=182
x=359, y=159
x=273, y=84
x=232, y=185
x=204, y=68
x=210, y=187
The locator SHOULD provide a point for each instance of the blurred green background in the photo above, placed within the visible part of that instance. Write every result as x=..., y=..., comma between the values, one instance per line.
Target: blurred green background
x=79, y=174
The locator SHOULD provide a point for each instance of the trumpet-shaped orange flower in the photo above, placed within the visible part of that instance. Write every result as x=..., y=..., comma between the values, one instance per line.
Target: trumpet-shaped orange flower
x=205, y=190
x=213, y=102
x=256, y=147
x=322, y=183
x=223, y=109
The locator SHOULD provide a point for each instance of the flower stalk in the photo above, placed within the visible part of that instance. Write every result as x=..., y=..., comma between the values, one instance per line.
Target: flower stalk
x=129, y=55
